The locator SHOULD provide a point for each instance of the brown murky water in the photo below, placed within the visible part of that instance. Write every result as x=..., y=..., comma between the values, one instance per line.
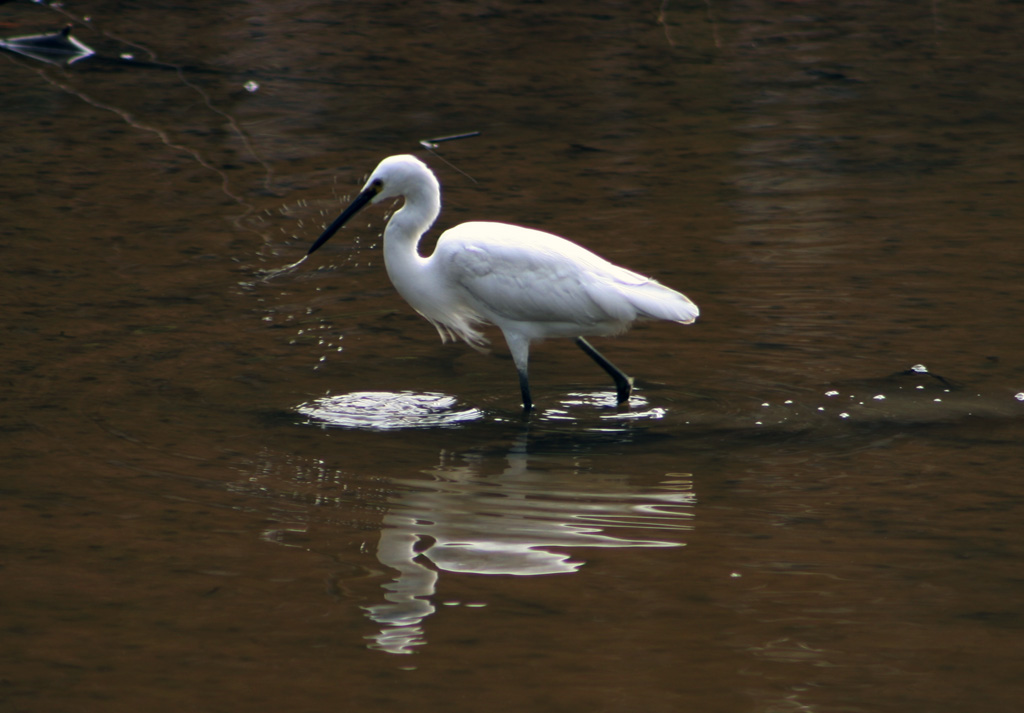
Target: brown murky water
x=225, y=492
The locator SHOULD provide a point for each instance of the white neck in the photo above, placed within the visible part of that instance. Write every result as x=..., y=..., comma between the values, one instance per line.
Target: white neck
x=401, y=240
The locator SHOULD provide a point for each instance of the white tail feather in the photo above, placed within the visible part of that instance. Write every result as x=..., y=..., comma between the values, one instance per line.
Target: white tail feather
x=653, y=300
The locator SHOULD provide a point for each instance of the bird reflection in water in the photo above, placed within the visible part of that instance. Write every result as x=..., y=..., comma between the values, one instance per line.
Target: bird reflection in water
x=519, y=522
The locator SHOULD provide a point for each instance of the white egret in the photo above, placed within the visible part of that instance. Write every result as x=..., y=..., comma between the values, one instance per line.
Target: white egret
x=530, y=284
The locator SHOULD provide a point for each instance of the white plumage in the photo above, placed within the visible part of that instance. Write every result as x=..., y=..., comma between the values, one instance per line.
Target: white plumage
x=528, y=283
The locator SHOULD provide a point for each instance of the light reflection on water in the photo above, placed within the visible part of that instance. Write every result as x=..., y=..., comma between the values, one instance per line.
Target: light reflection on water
x=525, y=520
x=915, y=396
x=390, y=411
x=637, y=409
x=386, y=411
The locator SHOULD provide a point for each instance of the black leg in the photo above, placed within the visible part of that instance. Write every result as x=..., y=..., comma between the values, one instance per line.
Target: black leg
x=623, y=383
x=524, y=386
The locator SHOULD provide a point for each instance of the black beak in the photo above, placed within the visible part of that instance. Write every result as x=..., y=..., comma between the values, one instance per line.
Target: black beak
x=362, y=199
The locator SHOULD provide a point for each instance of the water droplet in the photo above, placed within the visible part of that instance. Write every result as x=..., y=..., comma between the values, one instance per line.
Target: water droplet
x=832, y=393
x=879, y=397
x=919, y=368
x=1020, y=396
x=844, y=415
x=251, y=86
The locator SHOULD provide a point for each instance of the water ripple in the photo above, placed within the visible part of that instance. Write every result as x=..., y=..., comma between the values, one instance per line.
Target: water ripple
x=386, y=411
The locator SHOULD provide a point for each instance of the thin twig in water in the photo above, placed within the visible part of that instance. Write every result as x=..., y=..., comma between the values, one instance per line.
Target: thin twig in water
x=431, y=144
x=663, y=21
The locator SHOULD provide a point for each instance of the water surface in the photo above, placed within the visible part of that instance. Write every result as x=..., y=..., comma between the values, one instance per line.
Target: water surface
x=230, y=487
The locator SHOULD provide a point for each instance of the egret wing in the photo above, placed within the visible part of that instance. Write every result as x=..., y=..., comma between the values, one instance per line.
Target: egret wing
x=527, y=275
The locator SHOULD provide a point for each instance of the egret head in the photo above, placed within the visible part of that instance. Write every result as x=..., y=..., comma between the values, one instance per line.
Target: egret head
x=394, y=176
x=401, y=176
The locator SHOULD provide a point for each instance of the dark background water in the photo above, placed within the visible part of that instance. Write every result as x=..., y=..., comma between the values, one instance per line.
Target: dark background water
x=780, y=522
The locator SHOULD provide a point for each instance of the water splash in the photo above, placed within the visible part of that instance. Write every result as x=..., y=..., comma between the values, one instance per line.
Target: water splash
x=388, y=411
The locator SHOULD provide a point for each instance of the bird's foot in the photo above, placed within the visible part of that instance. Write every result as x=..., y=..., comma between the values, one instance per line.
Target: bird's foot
x=624, y=389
